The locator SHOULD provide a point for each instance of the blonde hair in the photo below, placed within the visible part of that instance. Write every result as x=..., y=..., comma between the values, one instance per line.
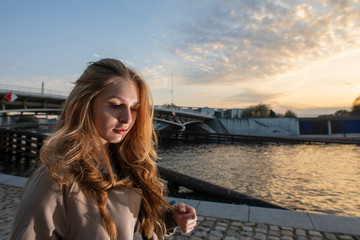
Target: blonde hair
x=69, y=153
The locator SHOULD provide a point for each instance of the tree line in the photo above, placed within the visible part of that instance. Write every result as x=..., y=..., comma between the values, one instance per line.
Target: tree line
x=354, y=112
x=264, y=111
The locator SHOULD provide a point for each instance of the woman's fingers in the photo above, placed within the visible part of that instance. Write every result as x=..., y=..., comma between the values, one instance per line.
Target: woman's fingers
x=185, y=217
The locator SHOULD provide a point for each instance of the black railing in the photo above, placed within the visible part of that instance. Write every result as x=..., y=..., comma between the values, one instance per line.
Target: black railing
x=205, y=137
x=176, y=179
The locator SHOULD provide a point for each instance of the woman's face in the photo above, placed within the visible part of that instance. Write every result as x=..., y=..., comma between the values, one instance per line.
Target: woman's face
x=115, y=109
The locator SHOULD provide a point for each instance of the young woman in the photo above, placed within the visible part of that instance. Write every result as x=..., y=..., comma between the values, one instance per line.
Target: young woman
x=98, y=178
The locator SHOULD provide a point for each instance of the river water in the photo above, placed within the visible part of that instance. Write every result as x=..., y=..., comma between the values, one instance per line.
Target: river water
x=320, y=178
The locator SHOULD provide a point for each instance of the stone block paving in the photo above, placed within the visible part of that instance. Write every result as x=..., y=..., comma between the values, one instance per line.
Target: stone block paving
x=207, y=228
x=226, y=229
x=9, y=199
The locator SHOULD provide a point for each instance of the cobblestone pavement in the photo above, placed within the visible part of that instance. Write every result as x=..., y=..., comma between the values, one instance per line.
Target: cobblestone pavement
x=9, y=198
x=225, y=229
x=208, y=227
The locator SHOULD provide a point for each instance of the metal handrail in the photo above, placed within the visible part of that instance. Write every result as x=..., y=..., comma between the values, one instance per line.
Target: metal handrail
x=32, y=91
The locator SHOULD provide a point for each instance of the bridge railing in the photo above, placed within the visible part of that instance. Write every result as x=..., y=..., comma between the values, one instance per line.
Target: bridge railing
x=30, y=91
x=187, y=110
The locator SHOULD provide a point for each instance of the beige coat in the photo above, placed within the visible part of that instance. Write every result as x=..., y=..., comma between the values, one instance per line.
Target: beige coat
x=52, y=211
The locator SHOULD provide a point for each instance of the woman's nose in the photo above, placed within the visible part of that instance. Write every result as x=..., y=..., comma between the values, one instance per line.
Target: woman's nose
x=125, y=115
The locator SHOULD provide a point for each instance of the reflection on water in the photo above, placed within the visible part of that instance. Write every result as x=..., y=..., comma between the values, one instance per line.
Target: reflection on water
x=17, y=165
x=315, y=178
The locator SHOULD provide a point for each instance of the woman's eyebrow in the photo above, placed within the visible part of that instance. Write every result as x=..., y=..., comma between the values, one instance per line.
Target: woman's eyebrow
x=120, y=98
x=112, y=97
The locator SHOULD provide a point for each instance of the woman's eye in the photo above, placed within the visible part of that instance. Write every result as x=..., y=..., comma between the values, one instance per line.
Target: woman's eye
x=115, y=105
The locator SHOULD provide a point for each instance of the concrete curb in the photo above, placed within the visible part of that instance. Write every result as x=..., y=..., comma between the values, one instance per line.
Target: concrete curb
x=11, y=180
x=285, y=218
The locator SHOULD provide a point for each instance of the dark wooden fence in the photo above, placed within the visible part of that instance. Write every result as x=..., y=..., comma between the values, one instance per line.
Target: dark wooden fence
x=21, y=142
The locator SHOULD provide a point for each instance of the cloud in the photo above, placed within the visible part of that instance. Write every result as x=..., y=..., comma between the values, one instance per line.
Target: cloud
x=236, y=41
x=156, y=76
x=129, y=63
x=97, y=55
x=251, y=97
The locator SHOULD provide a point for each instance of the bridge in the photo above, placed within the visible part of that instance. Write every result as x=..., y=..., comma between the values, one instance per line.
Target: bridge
x=179, y=118
x=31, y=98
x=41, y=102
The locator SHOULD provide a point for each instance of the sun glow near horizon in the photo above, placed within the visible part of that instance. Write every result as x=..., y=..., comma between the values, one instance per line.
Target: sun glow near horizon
x=297, y=55
x=324, y=87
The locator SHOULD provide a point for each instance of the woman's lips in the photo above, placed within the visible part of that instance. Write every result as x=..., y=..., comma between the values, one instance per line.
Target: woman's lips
x=121, y=131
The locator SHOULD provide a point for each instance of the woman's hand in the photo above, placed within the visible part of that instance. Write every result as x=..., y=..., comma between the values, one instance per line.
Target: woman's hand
x=185, y=217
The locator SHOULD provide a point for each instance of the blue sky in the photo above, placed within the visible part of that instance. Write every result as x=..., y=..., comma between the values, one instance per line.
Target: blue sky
x=298, y=55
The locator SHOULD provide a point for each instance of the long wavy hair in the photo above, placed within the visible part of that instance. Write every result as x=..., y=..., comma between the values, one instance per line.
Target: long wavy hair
x=70, y=155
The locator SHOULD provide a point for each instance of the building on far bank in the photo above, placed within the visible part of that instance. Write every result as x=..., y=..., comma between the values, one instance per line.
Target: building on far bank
x=233, y=113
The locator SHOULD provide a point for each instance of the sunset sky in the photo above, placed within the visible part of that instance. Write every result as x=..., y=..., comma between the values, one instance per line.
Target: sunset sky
x=297, y=55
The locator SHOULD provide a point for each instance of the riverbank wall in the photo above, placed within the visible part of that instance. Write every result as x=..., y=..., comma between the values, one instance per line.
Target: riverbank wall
x=287, y=127
x=262, y=126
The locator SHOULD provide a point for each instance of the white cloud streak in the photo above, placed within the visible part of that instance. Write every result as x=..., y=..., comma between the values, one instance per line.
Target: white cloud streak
x=253, y=40
x=249, y=96
x=97, y=55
